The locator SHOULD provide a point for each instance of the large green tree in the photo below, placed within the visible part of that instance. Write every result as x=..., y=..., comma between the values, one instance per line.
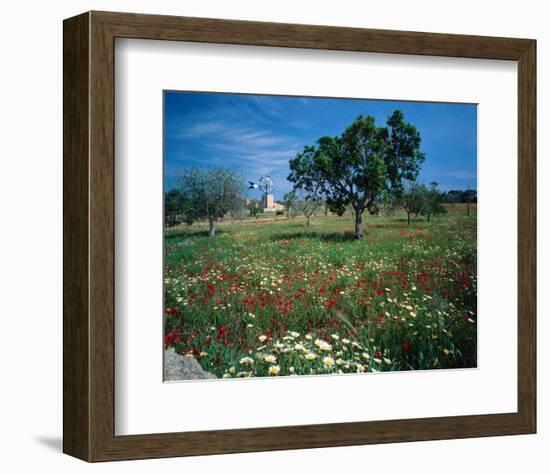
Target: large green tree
x=210, y=194
x=360, y=167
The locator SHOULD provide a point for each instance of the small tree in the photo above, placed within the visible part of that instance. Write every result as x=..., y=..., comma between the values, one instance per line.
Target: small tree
x=289, y=201
x=413, y=200
x=390, y=205
x=433, y=201
x=209, y=194
x=308, y=204
x=418, y=199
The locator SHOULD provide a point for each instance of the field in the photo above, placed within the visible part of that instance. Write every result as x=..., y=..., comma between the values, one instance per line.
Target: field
x=274, y=297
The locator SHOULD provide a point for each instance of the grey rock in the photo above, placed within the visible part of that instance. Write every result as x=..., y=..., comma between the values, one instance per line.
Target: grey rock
x=179, y=367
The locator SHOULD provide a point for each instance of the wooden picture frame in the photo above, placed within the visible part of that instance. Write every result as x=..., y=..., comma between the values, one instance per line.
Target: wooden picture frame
x=88, y=236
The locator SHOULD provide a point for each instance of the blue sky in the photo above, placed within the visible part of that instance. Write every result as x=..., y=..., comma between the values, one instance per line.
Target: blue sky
x=258, y=134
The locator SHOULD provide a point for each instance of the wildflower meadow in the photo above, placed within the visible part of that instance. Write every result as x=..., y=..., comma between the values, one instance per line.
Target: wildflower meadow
x=272, y=297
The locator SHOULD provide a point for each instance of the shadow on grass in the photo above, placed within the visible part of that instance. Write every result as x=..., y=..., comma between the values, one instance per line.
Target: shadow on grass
x=187, y=233
x=396, y=223
x=323, y=236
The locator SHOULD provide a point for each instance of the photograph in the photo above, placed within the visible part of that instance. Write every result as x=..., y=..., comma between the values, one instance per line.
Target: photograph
x=316, y=236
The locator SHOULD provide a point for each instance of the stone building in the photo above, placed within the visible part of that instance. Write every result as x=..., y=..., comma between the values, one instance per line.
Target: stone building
x=270, y=205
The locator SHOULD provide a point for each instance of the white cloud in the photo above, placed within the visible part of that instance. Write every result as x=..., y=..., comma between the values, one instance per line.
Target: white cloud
x=254, y=147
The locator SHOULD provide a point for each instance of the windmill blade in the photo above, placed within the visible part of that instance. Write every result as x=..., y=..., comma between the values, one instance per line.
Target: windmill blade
x=252, y=185
x=266, y=184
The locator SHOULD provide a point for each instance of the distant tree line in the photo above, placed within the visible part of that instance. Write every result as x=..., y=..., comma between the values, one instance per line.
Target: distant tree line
x=456, y=196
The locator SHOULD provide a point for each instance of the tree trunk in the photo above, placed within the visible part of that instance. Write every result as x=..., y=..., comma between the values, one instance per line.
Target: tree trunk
x=428, y=218
x=308, y=218
x=358, y=225
x=212, y=229
x=409, y=219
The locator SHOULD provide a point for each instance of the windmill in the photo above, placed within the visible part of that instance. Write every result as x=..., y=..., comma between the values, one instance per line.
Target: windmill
x=265, y=185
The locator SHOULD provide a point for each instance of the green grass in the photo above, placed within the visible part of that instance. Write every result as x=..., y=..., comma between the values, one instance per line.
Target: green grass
x=273, y=297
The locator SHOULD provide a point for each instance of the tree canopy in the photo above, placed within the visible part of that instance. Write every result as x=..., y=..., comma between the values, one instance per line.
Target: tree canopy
x=210, y=194
x=308, y=203
x=361, y=166
x=461, y=196
x=419, y=199
x=433, y=202
x=412, y=199
x=289, y=201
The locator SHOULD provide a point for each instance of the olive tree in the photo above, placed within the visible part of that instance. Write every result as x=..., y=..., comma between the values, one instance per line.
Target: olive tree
x=289, y=201
x=433, y=202
x=419, y=199
x=210, y=194
x=308, y=204
x=413, y=199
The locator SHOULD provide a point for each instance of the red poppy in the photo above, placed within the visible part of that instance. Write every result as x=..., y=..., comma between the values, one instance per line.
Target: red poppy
x=172, y=337
x=406, y=346
x=330, y=303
